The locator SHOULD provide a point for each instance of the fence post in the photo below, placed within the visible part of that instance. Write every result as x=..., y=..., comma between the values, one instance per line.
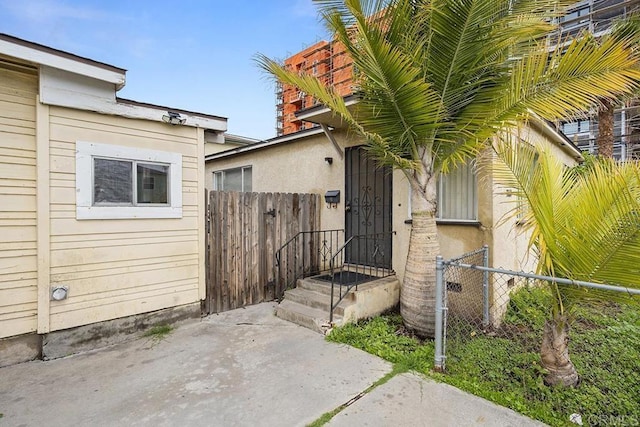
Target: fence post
x=485, y=287
x=439, y=356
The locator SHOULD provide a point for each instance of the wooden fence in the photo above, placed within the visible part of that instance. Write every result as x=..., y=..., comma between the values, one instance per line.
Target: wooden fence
x=244, y=230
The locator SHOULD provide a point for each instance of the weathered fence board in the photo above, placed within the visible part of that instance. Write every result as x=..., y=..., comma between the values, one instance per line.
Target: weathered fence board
x=244, y=231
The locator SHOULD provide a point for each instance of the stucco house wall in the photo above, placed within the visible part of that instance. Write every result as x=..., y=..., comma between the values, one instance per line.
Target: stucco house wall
x=296, y=163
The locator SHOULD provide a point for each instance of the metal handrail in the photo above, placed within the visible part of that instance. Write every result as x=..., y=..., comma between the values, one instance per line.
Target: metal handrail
x=374, y=268
x=323, y=247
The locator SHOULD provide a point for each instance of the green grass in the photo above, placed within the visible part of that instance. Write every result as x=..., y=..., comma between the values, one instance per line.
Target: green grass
x=505, y=367
x=158, y=332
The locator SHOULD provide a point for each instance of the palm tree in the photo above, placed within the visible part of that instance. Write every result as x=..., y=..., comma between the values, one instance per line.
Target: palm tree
x=584, y=224
x=604, y=141
x=438, y=79
x=626, y=30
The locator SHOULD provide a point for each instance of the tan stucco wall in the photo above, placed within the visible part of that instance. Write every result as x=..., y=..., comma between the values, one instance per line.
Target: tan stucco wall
x=300, y=167
x=293, y=168
x=509, y=243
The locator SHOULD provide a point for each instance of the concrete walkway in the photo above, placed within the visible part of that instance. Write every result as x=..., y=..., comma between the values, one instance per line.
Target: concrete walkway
x=241, y=368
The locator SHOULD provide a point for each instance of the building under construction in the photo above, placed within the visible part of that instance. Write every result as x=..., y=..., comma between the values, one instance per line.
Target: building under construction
x=326, y=60
x=596, y=17
x=330, y=62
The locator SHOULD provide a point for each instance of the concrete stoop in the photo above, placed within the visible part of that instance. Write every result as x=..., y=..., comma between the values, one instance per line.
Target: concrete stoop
x=308, y=304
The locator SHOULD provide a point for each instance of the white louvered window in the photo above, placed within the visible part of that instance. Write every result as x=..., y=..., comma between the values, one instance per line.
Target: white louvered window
x=457, y=195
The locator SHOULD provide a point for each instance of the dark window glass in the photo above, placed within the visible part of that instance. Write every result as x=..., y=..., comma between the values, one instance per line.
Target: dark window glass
x=112, y=181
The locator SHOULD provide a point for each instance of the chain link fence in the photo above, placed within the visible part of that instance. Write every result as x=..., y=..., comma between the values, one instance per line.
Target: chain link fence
x=490, y=322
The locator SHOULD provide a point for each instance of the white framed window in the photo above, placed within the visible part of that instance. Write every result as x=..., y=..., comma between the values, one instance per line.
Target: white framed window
x=116, y=182
x=457, y=195
x=236, y=179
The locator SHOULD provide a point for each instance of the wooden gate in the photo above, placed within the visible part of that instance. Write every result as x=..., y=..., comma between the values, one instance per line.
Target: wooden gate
x=244, y=230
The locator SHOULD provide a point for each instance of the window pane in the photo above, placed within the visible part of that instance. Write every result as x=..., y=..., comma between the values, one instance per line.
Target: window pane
x=457, y=194
x=112, y=181
x=570, y=128
x=233, y=180
x=152, y=183
x=246, y=179
x=217, y=181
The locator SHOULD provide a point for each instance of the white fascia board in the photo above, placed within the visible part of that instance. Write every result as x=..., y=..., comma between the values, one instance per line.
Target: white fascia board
x=36, y=56
x=313, y=113
x=264, y=144
x=151, y=113
x=558, y=138
x=105, y=106
x=66, y=89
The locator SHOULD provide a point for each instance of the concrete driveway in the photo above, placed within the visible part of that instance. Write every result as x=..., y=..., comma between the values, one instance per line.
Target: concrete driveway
x=240, y=368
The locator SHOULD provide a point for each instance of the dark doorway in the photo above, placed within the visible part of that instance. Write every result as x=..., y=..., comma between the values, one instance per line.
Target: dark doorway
x=368, y=198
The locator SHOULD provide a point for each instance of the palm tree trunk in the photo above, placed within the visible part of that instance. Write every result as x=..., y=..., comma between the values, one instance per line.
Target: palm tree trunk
x=605, y=129
x=555, y=353
x=633, y=129
x=417, y=295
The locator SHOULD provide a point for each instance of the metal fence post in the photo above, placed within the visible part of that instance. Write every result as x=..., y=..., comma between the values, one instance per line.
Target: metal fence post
x=439, y=330
x=485, y=287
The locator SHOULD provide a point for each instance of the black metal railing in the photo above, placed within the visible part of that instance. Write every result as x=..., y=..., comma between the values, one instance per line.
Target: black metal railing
x=306, y=254
x=360, y=259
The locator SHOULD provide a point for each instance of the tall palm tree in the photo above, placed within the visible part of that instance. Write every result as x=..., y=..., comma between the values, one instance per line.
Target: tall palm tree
x=626, y=30
x=439, y=78
x=604, y=141
x=583, y=225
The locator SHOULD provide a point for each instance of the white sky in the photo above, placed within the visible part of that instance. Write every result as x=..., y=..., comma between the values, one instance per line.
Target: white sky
x=194, y=55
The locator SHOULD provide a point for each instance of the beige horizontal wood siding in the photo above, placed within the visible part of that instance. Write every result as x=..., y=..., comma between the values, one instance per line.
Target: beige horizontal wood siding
x=18, y=260
x=120, y=267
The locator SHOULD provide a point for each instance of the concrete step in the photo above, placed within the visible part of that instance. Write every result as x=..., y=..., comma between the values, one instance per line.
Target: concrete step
x=319, y=300
x=319, y=286
x=324, y=287
x=303, y=315
x=308, y=304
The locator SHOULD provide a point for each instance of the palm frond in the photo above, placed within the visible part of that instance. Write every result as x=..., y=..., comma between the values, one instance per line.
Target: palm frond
x=583, y=226
x=566, y=82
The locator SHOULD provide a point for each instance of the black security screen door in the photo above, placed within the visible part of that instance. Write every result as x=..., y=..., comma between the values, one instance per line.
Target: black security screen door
x=368, y=196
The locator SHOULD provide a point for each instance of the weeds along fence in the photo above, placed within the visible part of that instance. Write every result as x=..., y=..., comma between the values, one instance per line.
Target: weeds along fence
x=489, y=317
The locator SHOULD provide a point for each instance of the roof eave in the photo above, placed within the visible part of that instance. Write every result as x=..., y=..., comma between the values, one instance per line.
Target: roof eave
x=42, y=55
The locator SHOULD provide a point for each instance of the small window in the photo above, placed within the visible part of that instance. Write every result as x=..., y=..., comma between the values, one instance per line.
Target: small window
x=237, y=179
x=152, y=180
x=124, y=182
x=114, y=183
x=457, y=195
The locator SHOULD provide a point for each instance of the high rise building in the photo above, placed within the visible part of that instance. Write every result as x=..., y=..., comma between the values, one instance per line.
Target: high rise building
x=596, y=16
